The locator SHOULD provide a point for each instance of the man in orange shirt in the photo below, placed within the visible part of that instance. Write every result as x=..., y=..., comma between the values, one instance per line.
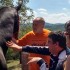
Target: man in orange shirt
x=37, y=37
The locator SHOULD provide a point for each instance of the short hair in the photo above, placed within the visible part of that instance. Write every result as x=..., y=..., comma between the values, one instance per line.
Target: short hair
x=39, y=19
x=58, y=37
x=67, y=24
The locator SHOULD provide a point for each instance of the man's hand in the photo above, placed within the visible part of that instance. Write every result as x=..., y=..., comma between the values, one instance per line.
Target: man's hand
x=14, y=46
x=34, y=59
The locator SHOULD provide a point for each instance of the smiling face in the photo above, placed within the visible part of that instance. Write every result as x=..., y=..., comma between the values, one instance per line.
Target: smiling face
x=38, y=25
x=68, y=30
x=56, y=42
x=67, y=33
x=52, y=46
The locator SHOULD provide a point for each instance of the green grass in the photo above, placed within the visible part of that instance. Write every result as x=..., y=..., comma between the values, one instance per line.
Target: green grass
x=13, y=65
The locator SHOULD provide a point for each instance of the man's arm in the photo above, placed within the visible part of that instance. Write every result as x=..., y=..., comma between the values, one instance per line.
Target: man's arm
x=30, y=49
x=41, y=63
x=36, y=49
x=14, y=46
x=67, y=65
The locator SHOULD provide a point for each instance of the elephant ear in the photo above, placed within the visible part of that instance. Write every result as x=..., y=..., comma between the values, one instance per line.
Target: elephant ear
x=16, y=26
x=16, y=21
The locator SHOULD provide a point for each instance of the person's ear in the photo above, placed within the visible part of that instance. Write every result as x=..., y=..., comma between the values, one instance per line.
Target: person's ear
x=56, y=44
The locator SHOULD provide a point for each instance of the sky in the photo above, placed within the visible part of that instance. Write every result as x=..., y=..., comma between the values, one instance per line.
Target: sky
x=53, y=11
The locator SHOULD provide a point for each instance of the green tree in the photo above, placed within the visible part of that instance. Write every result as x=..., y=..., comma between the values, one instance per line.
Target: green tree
x=24, y=17
x=6, y=3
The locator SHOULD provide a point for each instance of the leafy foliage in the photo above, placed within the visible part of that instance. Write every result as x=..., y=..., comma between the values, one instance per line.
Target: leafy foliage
x=24, y=16
x=12, y=55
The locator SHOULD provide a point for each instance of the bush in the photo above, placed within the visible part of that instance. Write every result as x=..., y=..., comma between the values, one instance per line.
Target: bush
x=12, y=55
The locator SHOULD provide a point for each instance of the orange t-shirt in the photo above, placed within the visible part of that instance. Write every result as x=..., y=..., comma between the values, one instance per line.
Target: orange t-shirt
x=35, y=40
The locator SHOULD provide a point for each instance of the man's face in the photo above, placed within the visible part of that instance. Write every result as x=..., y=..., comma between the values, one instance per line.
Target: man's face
x=38, y=27
x=68, y=30
x=52, y=46
x=68, y=36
